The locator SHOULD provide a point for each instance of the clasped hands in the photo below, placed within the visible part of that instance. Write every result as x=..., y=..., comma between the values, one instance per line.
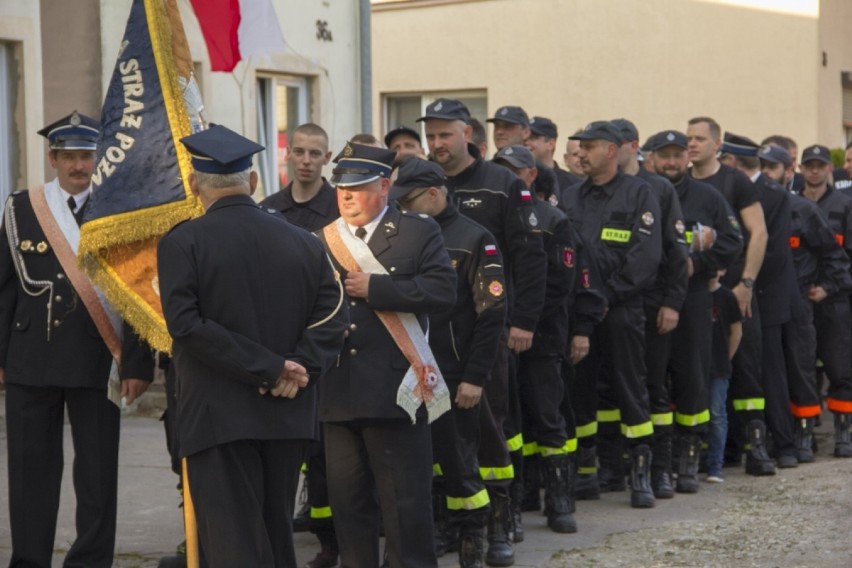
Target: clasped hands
x=293, y=377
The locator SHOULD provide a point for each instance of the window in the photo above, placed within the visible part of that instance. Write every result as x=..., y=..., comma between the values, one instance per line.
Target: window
x=405, y=109
x=11, y=155
x=282, y=105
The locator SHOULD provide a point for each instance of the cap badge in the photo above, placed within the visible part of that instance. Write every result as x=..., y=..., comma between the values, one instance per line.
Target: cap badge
x=509, y=151
x=439, y=106
x=670, y=136
x=817, y=151
x=348, y=151
x=504, y=111
x=75, y=119
x=588, y=127
x=532, y=121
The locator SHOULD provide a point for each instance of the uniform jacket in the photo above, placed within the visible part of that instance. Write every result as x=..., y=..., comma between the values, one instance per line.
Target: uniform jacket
x=670, y=288
x=312, y=215
x=464, y=339
x=703, y=204
x=364, y=380
x=817, y=256
x=49, y=339
x=620, y=224
x=775, y=284
x=495, y=198
x=240, y=286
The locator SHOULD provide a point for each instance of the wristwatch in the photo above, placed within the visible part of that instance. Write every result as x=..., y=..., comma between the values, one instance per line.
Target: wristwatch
x=748, y=282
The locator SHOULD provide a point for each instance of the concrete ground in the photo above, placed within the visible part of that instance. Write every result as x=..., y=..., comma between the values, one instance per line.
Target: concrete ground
x=150, y=525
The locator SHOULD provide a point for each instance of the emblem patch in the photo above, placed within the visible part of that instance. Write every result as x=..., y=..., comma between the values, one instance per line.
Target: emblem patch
x=526, y=195
x=648, y=218
x=490, y=250
x=533, y=220
x=670, y=136
x=679, y=226
x=585, y=278
x=568, y=257
x=496, y=288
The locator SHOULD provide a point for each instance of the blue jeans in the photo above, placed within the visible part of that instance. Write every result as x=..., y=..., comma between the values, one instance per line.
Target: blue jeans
x=718, y=431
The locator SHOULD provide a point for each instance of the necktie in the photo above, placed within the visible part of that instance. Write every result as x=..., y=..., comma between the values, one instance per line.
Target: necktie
x=72, y=203
x=361, y=232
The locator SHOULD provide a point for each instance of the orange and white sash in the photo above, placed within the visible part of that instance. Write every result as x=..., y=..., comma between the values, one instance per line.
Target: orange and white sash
x=423, y=382
x=62, y=232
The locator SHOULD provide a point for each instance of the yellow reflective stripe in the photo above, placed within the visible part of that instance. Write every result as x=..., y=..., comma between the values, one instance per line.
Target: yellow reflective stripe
x=615, y=235
x=436, y=470
x=320, y=512
x=530, y=449
x=662, y=419
x=477, y=501
x=569, y=447
x=749, y=404
x=609, y=415
x=688, y=235
x=492, y=473
x=515, y=443
x=587, y=430
x=304, y=468
x=591, y=470
x=638, y=430
x=693, y=419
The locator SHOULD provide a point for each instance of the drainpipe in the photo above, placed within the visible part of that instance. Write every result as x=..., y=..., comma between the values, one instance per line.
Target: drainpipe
x=364, y=11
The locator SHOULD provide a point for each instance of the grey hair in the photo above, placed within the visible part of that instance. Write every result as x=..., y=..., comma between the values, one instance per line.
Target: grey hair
x=220, y=181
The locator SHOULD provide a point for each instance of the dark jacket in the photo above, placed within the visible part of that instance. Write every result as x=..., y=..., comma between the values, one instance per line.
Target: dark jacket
x=817, y=256
x=775, y=285
x=240, y=288
x=312, y=215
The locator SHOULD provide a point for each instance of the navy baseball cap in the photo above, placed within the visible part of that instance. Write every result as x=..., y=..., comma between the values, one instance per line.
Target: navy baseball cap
x=816, y=152
x=599, y=130
x=629, y=132
x=358, y=164
x=73, y=132
x=667, y=138
x=402, y=130
x=542, y=126
x=775, y=155
x=447, y=109
x=513, y=114
x=220, y=150
x=516, y=155
x=416, y=173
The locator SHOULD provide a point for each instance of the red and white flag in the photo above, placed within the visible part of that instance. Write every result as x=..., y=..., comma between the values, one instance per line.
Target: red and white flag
x=237, y=29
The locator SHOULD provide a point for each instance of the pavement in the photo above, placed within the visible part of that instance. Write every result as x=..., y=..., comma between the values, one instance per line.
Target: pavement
x=150, y=523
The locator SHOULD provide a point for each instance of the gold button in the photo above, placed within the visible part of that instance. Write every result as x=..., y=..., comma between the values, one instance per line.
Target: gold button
x=393, y=268
x=353, y=327
x=56, y=323
x=353, y=352
x=41, y=247
x=26, y=245
x=58, y=298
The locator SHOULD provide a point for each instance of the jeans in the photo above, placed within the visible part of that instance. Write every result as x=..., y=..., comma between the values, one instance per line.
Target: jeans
x=718, y=431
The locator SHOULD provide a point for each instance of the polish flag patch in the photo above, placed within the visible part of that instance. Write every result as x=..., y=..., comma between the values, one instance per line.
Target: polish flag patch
x=490, y=250
x=526, y=195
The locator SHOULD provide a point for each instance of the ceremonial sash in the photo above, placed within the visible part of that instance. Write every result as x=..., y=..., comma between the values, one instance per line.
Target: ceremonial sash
x=423, y=382
x=106, y=321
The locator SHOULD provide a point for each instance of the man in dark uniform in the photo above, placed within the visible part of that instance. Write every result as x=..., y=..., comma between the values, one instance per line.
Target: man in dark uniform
x=511, y=126
x=705, y=139
x=542, y=143
x=308, y=201
x=823, y=274
x=618, y=218
x=832, y=318
x=405, y=141
x=663, y=304
x=704, y=209
x=843, y=176
x=794, y=182
x=254, y=310
x=396, y=270
x=496, y=199
x=464, y=340
x=61, y=345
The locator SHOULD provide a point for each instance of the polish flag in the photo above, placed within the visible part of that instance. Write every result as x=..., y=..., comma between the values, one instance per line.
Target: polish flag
x=237, y=29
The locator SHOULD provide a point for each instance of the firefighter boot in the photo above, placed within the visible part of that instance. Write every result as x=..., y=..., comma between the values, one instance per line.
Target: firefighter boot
x=641, y=495
x=587, y=487
x=516, y=498
x=470, y=547
x=842, y=435
x=803, y=437
x=611, y=458
x=687, y=467
x=327, y=556
x=758, y=461
x=532, y=484
x=661, y=464
x=558, y=479
x=500, y=550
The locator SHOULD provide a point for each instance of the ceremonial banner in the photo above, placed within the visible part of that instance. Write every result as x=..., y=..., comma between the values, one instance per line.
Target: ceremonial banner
x=140, y=180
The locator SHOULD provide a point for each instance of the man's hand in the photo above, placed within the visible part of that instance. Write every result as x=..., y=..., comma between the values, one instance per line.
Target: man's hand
x=2, y=376
x=468, y=395
x=690, y=267
x=743, y=295
x=357, y=284
x=520, y=339
x=816, y=295
x=579, y=348
x=667, y=319
x=293, y=377
x=133, y=389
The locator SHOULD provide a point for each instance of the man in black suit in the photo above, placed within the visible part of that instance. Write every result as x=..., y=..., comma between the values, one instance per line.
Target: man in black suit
x=254, y=310
x=60, y=345
x=396, y=270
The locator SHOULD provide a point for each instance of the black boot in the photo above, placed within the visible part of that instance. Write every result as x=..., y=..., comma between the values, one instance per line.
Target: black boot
x=687, y=468
x=446, y=534
x=302, y=518
x=532, y=484
x=611, y=458
x=587, y=487
x=327, y=556
x=470, y=547
x=558, y=479
x=500, y=550
x=641, y=495
x=516, y=497
x=842, y=435
x=803, y=437
x=661, y=464
x=758, y=461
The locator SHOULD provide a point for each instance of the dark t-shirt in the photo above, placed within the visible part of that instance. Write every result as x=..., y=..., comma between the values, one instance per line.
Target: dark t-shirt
x=726, y=311
x=842, y=181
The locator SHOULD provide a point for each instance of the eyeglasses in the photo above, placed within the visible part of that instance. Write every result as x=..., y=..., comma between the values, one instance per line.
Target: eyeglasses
x=406, y=201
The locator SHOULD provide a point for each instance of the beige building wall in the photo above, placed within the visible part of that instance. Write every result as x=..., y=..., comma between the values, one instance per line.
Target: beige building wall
x=754, y=65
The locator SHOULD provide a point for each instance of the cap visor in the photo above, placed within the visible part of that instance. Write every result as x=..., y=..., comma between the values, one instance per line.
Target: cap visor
x=351, y=180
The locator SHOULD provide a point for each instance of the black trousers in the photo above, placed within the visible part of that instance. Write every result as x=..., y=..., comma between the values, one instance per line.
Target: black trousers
x=746, y=388
x=494, y=460
x=321, y=521
x=34, y=422
x=800, y=352
x=391, y=458
x=455, y=444
x=244, y=493
x=542, y=390
x=834, y=335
